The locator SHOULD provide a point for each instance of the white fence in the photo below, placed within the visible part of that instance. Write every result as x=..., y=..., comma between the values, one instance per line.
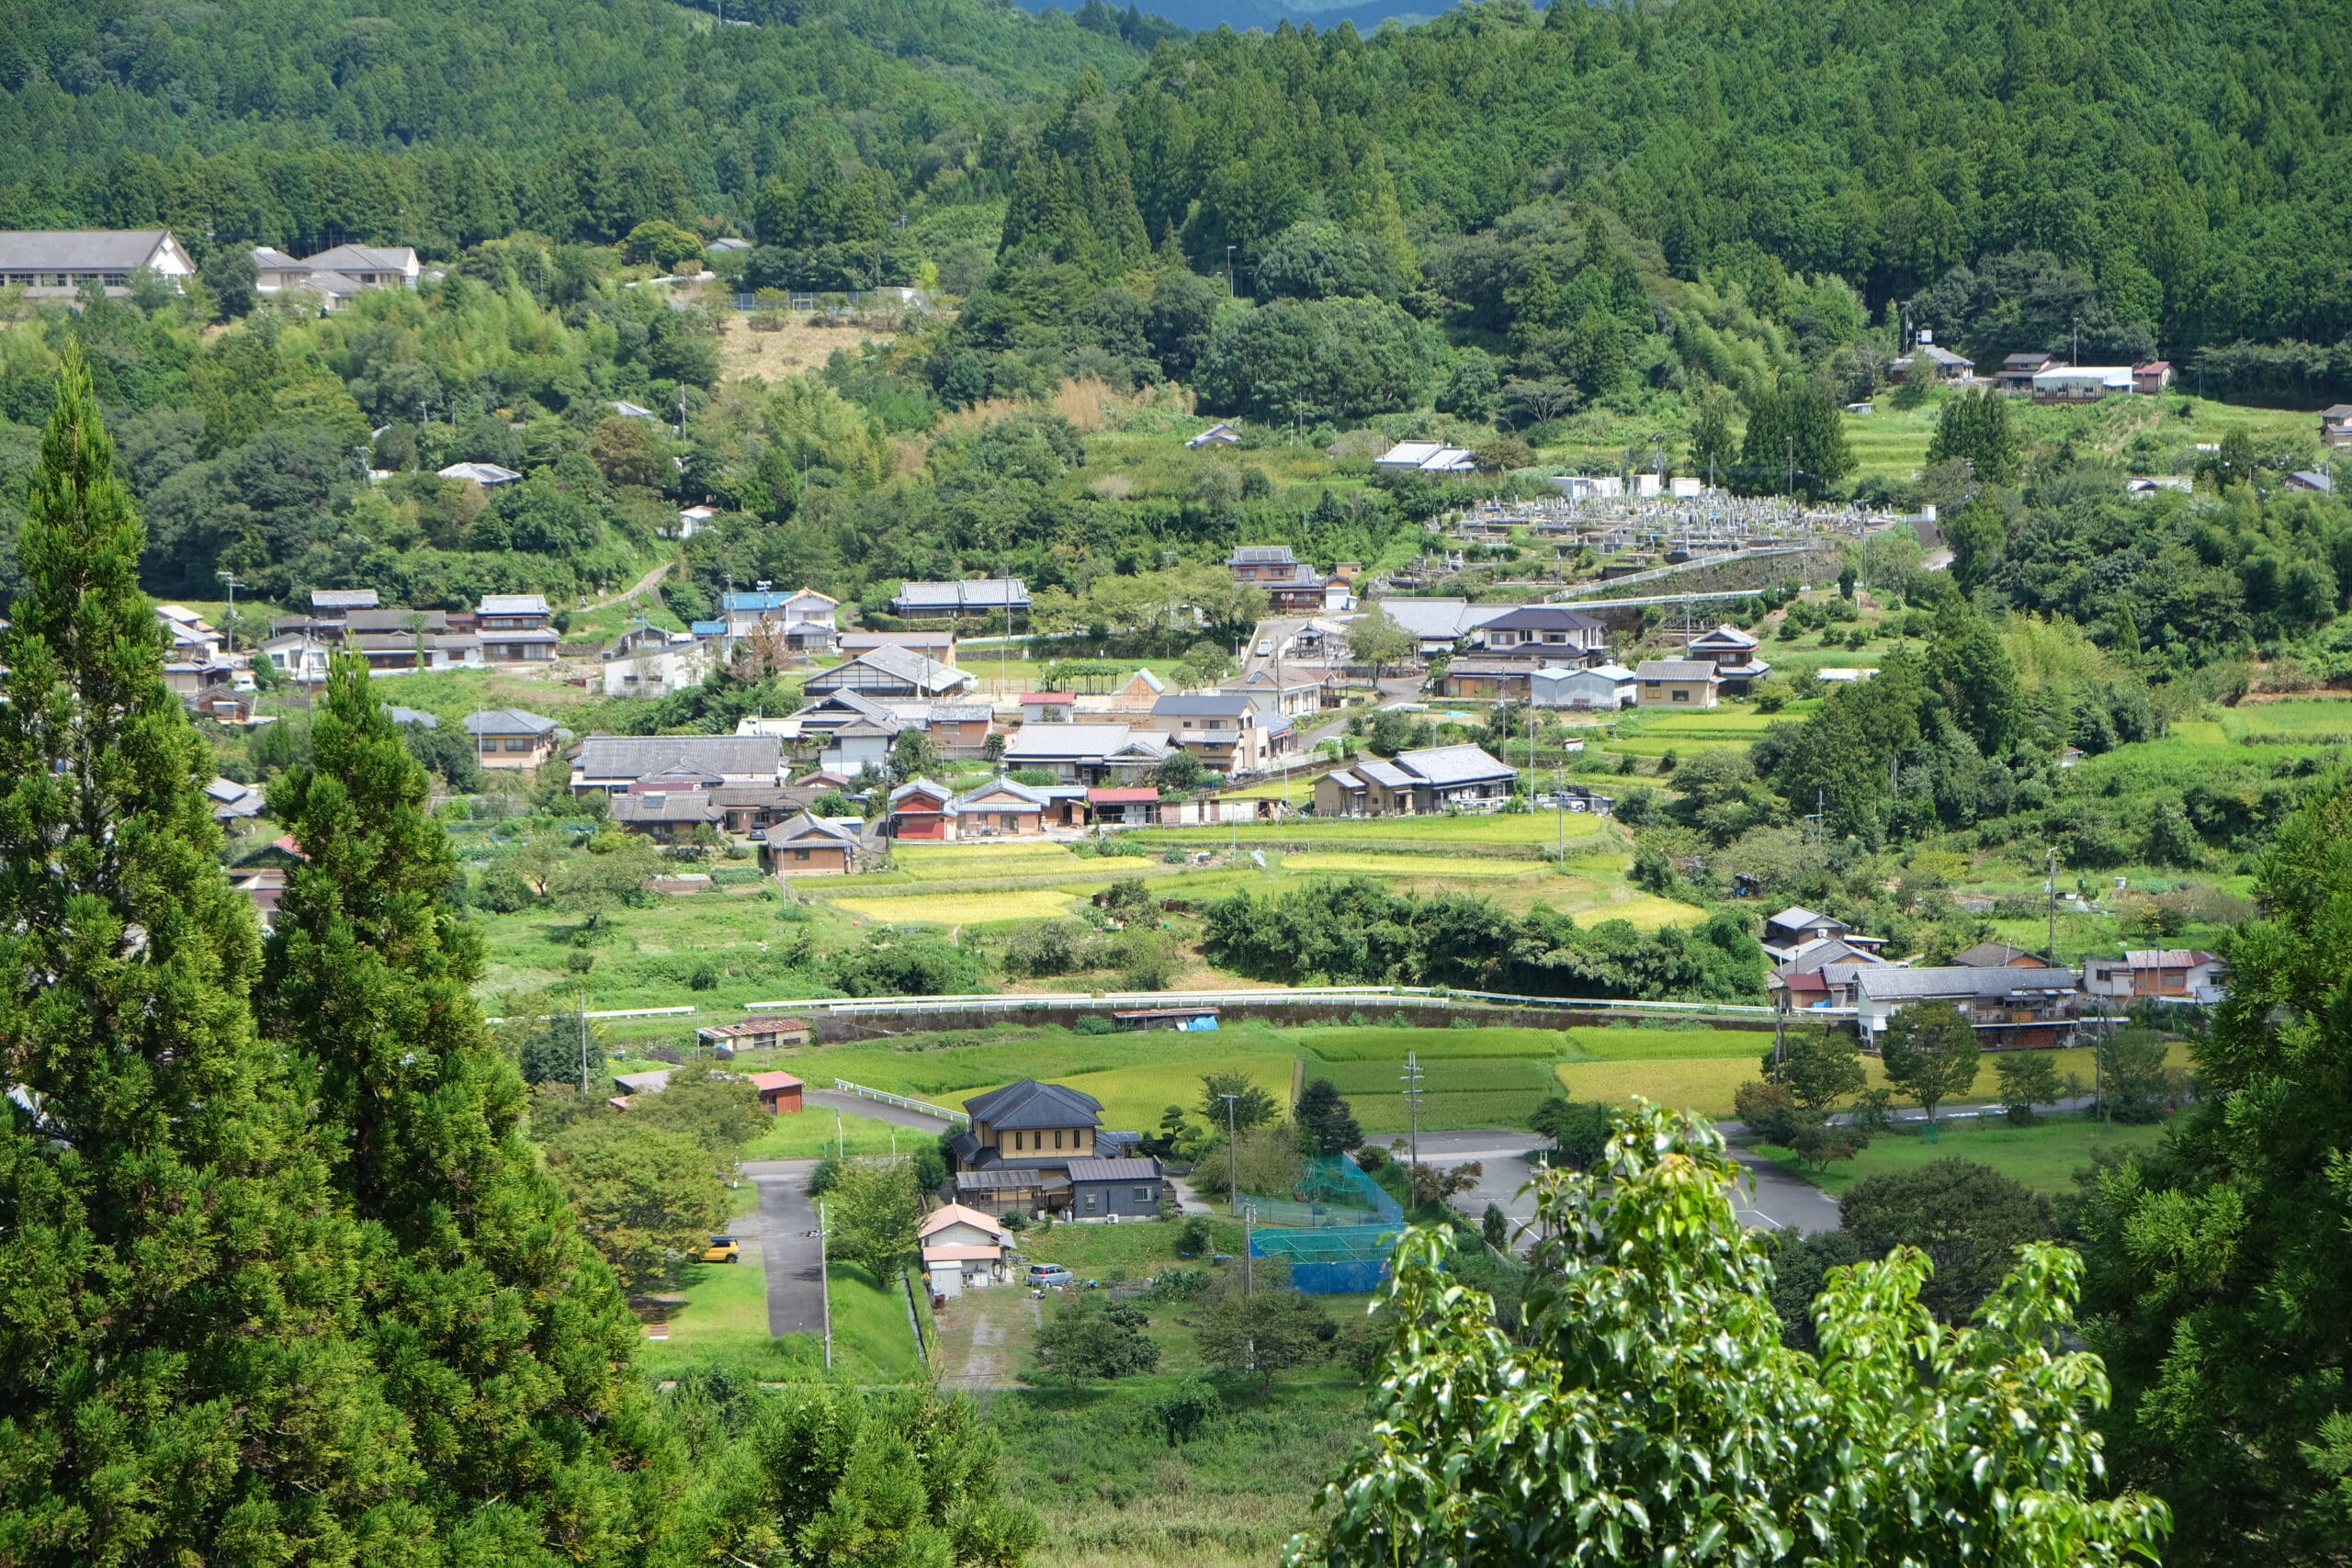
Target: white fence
x=902, y=1102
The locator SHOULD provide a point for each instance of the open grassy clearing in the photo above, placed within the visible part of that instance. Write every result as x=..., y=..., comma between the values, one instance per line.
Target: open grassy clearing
x=817, y=1132
x=724, y=1318
x=1644, y=911
x=872, y=1338
x=2043, y=1156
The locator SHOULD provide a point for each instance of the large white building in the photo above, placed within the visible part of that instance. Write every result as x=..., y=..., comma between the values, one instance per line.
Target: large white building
x=56, y=264
x=333, y=275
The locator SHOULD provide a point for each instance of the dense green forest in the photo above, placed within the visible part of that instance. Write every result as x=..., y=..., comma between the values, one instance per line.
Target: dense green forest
x=2127, y=173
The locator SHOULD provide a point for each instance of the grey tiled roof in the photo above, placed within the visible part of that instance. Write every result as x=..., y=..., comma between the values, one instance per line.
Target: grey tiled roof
x=1891, y=982
x=1028, y=1104
x=639, y=756
x=1453, y=765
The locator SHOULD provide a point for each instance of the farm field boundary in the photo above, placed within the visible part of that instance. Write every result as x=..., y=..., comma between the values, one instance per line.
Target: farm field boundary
x=835, y=1020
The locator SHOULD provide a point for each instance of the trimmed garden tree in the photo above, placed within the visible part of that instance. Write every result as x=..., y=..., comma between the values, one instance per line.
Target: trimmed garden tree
x=180, y=1375
x=507, y=1340
x=1648, y=1411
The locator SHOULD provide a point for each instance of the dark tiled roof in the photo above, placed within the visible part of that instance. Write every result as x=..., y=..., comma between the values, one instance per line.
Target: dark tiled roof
x=1029, y=1104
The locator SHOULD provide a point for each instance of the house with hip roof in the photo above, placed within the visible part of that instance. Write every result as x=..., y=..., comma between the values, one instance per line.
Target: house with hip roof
x=511, y=737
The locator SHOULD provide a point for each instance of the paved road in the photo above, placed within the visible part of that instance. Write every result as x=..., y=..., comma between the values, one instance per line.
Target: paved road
x=1776, y=1200
x=793, y=1253
x=874, y=1110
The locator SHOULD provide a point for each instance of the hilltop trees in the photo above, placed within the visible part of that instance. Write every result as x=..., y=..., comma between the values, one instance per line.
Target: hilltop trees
x=187, y=1380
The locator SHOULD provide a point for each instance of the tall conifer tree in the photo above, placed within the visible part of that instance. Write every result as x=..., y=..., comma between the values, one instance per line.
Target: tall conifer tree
x=180, y=1380
x=506, y=1341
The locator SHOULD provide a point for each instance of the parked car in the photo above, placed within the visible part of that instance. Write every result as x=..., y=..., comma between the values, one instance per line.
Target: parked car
x=723, y=1249
x=1042, y=1275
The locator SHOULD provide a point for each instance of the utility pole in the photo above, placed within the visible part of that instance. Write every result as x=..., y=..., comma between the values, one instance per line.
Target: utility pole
x=1792, y=488
x=2052, y=886
x=1231, y=1197
x=824, y=1285
x=1412, y=1080
x=230, y=579
x=1249, y=1241
x=584, y=1040
x=1228, y=269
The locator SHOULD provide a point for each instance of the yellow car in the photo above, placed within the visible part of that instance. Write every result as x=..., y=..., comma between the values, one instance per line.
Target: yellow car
x=723, y=1249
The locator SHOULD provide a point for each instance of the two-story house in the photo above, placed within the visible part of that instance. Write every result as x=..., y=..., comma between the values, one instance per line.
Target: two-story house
x=1546, y=634
x=648, y=661
x=1015, y=1156
x=1263, y=563
x=2165, y=974
x=2008, y=1009
x=1678, y=682
x=511, y=737
x=804, y=619
x=614, y=762
x=1227, y=731
x=1002, y=808
x=1732, y=652
x=1086, y=753
x=516, y=629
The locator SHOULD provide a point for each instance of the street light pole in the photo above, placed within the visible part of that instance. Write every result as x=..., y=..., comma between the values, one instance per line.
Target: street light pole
x=1413, y=1103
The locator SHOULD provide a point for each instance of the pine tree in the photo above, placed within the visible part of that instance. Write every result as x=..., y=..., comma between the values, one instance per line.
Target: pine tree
x=508, y=1342
x=179, y=1291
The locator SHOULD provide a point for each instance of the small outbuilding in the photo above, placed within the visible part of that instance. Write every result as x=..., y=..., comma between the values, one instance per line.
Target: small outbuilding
x=779, y=1093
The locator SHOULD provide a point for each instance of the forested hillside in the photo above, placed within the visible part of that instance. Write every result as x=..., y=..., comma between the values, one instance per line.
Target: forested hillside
x=309, y=122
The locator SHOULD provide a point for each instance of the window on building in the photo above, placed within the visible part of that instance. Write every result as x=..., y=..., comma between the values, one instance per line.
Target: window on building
x=1089, y=1203
x=800, y=854
x=518, y=743
x=1143, y=1195
x=1057, y=1137
x=1680, y=695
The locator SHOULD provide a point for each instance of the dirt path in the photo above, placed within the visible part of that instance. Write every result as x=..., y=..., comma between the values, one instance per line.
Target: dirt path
x=651, y=579
x=982, y=1333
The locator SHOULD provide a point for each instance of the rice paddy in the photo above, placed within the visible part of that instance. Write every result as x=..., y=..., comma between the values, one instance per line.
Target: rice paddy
x=1341, y=863
x=960, y=909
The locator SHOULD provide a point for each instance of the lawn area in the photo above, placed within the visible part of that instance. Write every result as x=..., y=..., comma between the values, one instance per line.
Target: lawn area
x=1387, y=1043
x=1648, y=1044
x=872, y=1340
x=2313, y=719
x=724, y=1318
x=811, y=1134
x=2044, y=1156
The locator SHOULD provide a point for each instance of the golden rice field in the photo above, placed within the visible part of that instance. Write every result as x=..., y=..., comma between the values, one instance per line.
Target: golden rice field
x=1646, y=911
x=1338, y=862
x=960, y=909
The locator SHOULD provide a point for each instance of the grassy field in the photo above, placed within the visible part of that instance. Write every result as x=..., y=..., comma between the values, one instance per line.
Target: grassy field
x=815, y=1132
x=872, y=1340
x=724, y=1317
x=2044, y=1156
x=1344, y=863
x=1476, y=1077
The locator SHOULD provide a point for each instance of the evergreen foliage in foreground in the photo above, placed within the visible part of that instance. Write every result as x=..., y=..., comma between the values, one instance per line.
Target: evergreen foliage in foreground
x=179, y=1292
x=505, y=1341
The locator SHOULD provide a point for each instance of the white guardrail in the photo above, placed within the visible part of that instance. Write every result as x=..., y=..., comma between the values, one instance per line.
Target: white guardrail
x=902, y=1102
x=1371, y=994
